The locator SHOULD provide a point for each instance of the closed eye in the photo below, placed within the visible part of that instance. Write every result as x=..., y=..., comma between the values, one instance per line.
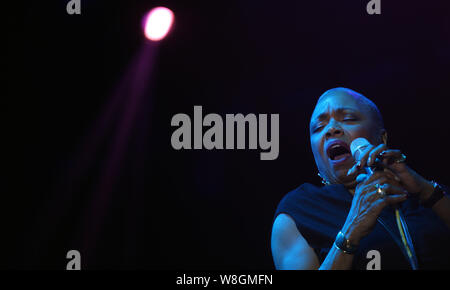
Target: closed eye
x=318, y=128
x=350, y=117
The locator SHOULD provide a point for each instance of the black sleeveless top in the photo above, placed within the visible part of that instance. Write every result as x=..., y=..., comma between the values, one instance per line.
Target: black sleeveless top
x=320, y=213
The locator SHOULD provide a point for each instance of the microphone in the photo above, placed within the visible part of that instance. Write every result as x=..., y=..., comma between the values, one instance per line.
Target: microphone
x=357, y=147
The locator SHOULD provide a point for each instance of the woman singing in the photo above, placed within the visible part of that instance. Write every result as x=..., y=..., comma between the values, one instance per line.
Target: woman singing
x=391, y=212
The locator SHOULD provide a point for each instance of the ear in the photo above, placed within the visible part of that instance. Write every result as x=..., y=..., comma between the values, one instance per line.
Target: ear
x=384, y=136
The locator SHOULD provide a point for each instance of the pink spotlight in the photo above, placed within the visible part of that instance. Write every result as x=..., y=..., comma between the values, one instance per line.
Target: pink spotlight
x=158, y=23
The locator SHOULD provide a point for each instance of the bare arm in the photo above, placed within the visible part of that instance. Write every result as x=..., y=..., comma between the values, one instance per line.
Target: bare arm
x=441, y=207
x=291, y=251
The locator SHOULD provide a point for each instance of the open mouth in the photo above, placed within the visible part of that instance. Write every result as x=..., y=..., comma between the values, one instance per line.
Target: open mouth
x=338, y=150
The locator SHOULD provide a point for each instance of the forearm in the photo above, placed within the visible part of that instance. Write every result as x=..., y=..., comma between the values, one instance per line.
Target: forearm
x=337, y=260
x=442, y=207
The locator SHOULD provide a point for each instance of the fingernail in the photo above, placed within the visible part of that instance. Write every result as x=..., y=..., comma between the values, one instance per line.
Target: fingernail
x=396, y=178
x=358, y=165
x=369, y=161
x=351, y=171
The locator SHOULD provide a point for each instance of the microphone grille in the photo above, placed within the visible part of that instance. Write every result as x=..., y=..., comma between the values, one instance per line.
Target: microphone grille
x=357, y=145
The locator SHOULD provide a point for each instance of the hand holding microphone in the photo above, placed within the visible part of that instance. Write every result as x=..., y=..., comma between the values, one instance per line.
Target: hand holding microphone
x=390, y=161
x=376, y=189
x=373, y=157
x=380, y=160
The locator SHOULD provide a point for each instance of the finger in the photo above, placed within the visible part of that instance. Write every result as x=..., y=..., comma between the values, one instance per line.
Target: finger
x=395, y=199
x=364, y=156
x=374, y=154
x=381, y=177
x=391, y=174
x=354, y=169
x=388, y=200
x=377, y=177
x=361, y=177
x=391, y=189
x=357, y=167
x=390, y=152
x=389, y=156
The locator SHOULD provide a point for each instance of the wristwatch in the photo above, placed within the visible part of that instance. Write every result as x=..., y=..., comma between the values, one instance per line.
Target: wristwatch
x=344, y=244
x=437, y=194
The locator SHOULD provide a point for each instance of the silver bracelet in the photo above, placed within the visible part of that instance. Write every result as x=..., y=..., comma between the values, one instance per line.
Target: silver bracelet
x=344, y=244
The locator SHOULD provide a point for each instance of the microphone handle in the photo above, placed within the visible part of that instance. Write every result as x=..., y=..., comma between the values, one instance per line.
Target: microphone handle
x=401, y=224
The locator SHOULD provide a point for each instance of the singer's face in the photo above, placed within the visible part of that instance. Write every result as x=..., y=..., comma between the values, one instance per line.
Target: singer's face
x=338, y=118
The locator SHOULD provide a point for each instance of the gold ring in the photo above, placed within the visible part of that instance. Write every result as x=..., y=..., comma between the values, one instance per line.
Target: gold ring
x=380, y=190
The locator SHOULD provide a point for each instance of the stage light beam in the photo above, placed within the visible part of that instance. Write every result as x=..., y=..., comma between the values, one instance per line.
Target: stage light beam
x=157, y=23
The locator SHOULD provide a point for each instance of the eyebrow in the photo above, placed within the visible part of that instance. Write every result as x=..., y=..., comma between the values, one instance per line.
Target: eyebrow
x=325, y=114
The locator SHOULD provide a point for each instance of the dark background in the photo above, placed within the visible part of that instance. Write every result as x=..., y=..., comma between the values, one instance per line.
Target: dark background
x=168, y=209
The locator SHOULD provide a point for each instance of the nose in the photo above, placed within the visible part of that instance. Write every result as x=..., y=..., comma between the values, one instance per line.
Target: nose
x=334, y=129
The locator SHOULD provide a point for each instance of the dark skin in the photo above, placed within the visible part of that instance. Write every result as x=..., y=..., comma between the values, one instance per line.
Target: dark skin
x=342, y=115
x=339, y=116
